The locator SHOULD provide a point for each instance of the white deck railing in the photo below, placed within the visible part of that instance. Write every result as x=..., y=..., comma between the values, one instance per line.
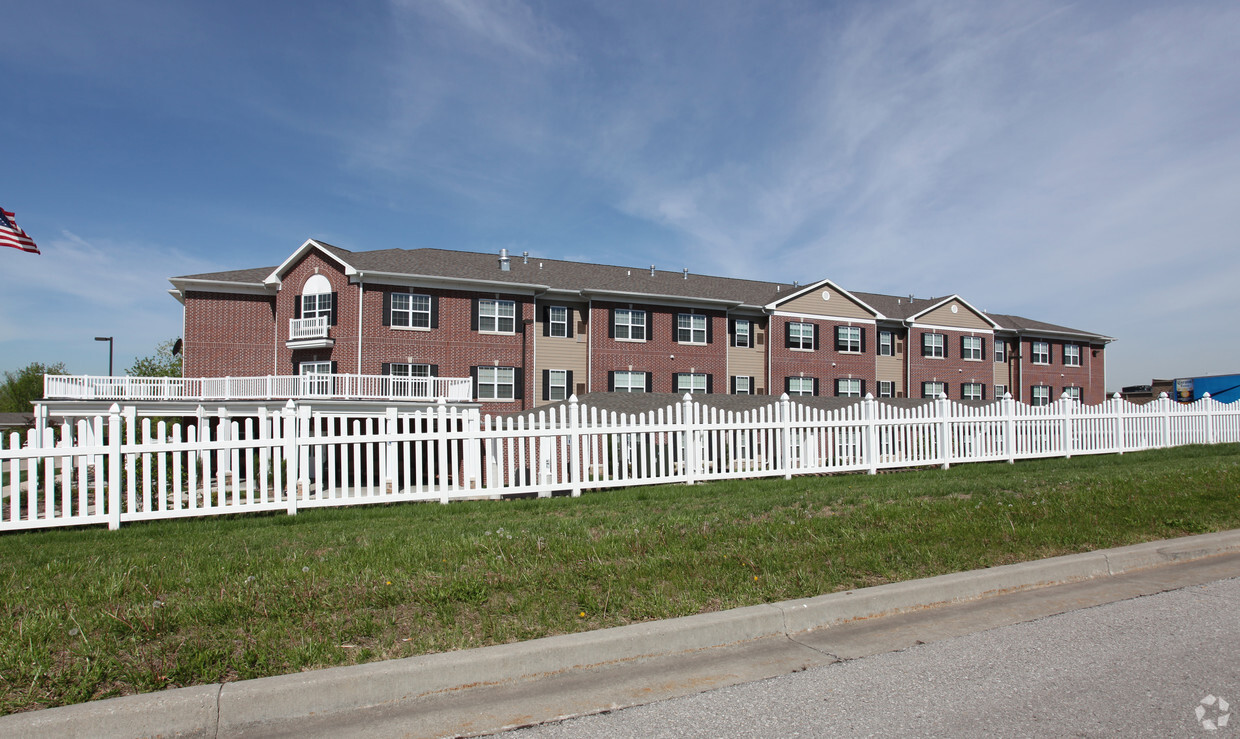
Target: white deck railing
x=307, y=328
x=325, y=386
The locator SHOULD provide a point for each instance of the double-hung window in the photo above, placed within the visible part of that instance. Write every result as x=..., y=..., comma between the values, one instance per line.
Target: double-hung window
x=1040, y=395
x=886, y=344
x=740, y=333
x=886, y=389
x=1071, y=355
x=972, y=391
x=848, y=339
x=1000, y=351
x=557, y=321
x=742, y=385
x=410, y=380
x=628, y=382
x=411, y=311
x=933, y=345
x=496, y=383
x=316, y=306
x=800, y=386
x=316, y=378
x=971, y=348
x=801, y=336
x=1041, y=351
x=690, y=328
x=932, y=389
x=630, y=324
x=557, y=384
x=691, y=382
x=497, y=316
x=848, y=387
x=1073, y=393
x=1000, y=390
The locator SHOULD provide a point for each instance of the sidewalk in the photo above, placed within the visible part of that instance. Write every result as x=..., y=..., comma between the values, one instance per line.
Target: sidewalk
x=489, y=689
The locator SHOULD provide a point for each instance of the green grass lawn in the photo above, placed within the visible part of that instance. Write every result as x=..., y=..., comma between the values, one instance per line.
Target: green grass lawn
x=92, y=613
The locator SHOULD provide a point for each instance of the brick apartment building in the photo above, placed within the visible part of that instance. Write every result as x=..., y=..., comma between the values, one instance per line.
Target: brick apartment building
x=530, y=331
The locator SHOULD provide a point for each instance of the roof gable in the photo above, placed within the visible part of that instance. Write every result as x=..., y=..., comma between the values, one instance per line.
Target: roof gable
x=817, y=299
x=333, y=253
x=948, y=312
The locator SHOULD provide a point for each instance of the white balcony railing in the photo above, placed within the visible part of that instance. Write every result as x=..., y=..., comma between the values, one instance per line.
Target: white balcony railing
x=327, y=386
x=307, y=328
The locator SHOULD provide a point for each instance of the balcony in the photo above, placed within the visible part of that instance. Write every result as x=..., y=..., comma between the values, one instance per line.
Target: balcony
x=309, y=333
x=270, y=387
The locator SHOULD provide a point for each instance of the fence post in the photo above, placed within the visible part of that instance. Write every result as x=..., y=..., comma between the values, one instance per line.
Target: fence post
x=1209, y=417
x=785, y=424
x=114, y=467
x=1007, y=407
x=473, y=457
x=869, y=408
x=574, y=445
x=305, y=421
x=1118, y=419
x=942, y=409
x=1065, y=407
x=692, y=453
x=391, y=460
x=441, y=427
x=1164, y=412
x=289, y=431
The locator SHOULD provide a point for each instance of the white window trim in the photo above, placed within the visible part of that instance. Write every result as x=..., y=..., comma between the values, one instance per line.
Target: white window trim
x=629, y=387
x=889, y=386
x=1034, y=353
x=1077, y=362
x=497, y=317
x=890, y=345
x=511, y=384
x=552, y=384
x=928, y=343
x=1033, y=395
x=410, y=311
x=981, y=391
x=839, y=383
x=942, y=389
x=803, y=382
x=629, y=324
x=692, y=378
x=802, y=339
x=1074, y=392
x=552, y=322
x=747, y=333
x=1000, y=391
x=980, y=353
x=848, y=341
x=693, y=328
x=748, y=385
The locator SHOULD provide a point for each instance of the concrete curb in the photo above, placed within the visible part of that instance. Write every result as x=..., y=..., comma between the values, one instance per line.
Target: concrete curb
x=232, y=709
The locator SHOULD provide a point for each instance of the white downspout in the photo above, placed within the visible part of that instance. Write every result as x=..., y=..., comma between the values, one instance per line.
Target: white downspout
x=361, y=296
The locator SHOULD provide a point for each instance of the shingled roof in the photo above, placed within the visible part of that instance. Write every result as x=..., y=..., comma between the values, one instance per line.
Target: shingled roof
x=602, y=279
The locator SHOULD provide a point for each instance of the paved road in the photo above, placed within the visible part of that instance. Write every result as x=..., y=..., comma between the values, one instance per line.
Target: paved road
x=1138, y=667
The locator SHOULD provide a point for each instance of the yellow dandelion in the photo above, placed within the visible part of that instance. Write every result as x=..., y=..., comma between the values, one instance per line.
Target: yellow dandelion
x=581, y=615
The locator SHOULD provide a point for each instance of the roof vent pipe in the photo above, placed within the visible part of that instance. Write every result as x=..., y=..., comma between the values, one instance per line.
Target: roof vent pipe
x=686, y=273
x=652, y=270
x=504, y=263
x=525, y=257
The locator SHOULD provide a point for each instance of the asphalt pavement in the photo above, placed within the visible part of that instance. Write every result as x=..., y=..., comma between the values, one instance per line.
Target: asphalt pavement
x=1163, y=665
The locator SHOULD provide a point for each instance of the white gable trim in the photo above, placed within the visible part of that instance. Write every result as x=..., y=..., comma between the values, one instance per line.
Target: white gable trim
x=913, y=318
x=819, y=285
x=275, y=277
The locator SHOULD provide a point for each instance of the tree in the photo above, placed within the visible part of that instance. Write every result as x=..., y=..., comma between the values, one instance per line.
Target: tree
x=25, y=385
x=164, y=363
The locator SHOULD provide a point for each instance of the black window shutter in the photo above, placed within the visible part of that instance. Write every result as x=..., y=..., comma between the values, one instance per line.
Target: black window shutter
x=611, y=381
x=837, y=387
x=434, y=311
x=473, y=315
x=611, y=324
x=297, y=307
x=788, y=335
x=788, y=385
x=568, y=325
x=710, y=383
x=710, y=329
x=546, y=322
x=546, y=384
x=434, y=370
x=335, y=300
x=568, y=384
x=815, y=387
x=862, y=332
x=925, y=346
x=946, y=353
x=983, y=348
x=676, y=382
x=732, y=385
x=387, y=309
x=676, y=329
x=732, y=334
x=839, y=342
x=815, y=340
x=386, y=369
x=296, y=366
x=863, y=385
x=983, y=388
x=650, y=382
x=335, y=369
x=518, y=383
x=473, y=378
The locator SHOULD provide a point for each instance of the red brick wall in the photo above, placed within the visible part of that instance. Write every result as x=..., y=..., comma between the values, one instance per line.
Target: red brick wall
x=228, y=335
x=953, y=370
x=659, y=354
x=1088, y=376
x=826, y=363
x=344, y=353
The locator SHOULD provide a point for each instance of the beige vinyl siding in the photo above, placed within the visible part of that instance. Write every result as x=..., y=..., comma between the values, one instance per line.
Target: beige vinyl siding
x=838, y=306
x=963, y=318
x=889, y=369
x=555, y=353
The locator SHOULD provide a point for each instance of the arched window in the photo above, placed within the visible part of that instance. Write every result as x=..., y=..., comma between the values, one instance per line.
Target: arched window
x=316, y=298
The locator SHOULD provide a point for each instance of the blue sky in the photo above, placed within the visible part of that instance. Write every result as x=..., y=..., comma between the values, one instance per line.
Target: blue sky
x=1073, y=163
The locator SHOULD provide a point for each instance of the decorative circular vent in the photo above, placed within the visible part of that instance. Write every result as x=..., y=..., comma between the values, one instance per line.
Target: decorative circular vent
x=955, y=308
x=826, y=294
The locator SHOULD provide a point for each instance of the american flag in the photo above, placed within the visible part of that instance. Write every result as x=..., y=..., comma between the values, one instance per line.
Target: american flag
x=12, y=235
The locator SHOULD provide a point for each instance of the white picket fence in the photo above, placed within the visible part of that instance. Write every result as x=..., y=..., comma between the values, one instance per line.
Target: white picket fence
x=118, y=468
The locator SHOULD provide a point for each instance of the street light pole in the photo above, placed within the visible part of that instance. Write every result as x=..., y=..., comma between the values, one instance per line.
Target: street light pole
x=109, y=340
